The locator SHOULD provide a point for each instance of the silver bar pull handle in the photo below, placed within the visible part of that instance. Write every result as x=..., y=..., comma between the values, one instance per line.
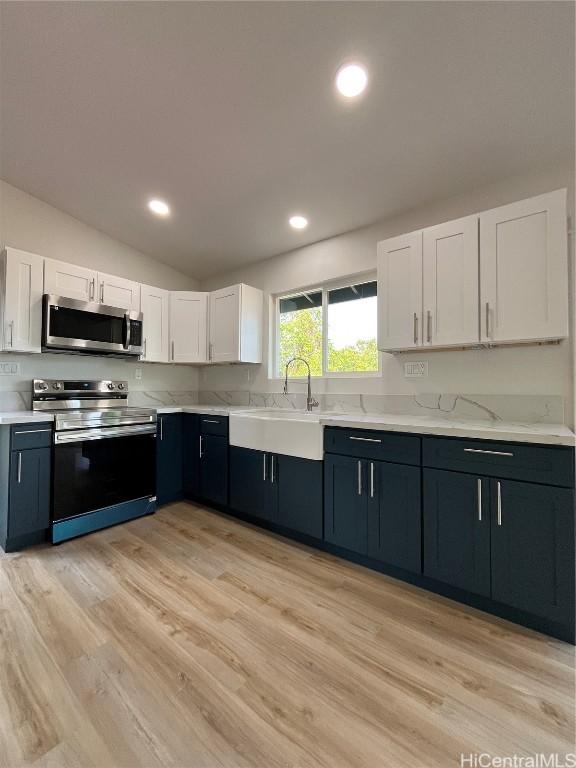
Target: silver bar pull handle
x=102, y=293
x=161, y=420
x=210, y=421
x=272, y=469
x=359, y=478
x=11, y=326
x=201, y=452
x=172, y=349
x=31, y=431
x=415, y=328
x=92, y=289
x=264, y=467
x=490, y=453
x=479, y=500
x=19, y=466
x=144, y=350
x=499, y=503
x=488, y=319
x=429, y=327
x=371, y=479
x=367, y=439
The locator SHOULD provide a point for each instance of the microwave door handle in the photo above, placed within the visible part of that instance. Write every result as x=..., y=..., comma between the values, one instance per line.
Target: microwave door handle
x=127, y=330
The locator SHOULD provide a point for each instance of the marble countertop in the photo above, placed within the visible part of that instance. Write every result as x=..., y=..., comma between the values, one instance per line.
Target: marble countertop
x=24, y=417
x=544, y=434
x=548, y=434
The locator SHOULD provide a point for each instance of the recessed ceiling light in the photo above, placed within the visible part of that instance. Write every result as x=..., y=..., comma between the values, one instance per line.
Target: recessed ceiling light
x=351, y=80
x=298, y=222
x=159, y=207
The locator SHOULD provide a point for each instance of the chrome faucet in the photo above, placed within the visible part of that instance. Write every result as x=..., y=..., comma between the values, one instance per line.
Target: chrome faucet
x=311, y=402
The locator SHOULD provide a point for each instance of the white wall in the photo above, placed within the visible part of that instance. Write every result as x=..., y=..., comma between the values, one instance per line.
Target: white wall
x=30, y=224
x=542, y=370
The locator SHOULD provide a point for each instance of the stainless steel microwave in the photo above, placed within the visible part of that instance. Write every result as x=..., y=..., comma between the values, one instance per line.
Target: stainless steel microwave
x=69, y=325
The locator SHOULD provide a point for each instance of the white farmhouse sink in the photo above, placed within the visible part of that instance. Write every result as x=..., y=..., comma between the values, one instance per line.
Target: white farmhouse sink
x=293, y=433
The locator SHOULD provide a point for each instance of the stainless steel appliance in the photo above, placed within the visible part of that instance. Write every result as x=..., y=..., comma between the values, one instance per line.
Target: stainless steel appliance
x=104, y=459
x=69, y=325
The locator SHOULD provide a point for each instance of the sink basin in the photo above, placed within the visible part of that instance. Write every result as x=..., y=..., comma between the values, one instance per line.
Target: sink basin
x=292, y=433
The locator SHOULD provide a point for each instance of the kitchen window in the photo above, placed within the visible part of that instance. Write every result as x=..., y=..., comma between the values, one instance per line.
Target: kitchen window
x=333, y=327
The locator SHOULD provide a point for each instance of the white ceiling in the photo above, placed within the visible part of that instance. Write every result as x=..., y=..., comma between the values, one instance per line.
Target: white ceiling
x=227, y=110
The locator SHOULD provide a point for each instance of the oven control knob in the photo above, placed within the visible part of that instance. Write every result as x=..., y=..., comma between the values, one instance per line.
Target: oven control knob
x=121, y=385
x=42, y=386
x=111, y=385
x=57, y=385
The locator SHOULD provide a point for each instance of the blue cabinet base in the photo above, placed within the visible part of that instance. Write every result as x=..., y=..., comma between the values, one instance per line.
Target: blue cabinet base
x=62, y=530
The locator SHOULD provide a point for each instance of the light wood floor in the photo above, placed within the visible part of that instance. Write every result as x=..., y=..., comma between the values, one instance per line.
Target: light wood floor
x=188, y=639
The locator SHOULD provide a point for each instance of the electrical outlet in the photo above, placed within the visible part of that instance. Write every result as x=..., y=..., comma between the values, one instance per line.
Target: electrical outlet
x=138, y=373
x=9, y=369
x=415, y=370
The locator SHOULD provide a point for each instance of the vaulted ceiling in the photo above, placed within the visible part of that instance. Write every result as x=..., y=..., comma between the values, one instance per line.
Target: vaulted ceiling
x=228, y=111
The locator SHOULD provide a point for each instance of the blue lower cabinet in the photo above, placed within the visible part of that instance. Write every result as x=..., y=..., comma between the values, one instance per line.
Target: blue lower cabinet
x=457, y=530
x=213, y=457
x=169, y=443
x=373, y=508
x=283, y=490
x=191, y=455
x=251, y=490
x=394, y=515
x=29, y=509
x=25, y=486
x=346, y=509
x=533, y=548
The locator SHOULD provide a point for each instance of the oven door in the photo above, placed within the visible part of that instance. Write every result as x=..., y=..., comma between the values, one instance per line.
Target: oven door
x=81, y=326
x=97, y=468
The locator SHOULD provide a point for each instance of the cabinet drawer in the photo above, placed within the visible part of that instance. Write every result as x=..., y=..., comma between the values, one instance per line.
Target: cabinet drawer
x=372, y=444
x=23, y=436
x=213, y=425
x=552, y=465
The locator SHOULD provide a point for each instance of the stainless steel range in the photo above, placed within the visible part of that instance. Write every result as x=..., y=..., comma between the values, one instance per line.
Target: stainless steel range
x=104, y=462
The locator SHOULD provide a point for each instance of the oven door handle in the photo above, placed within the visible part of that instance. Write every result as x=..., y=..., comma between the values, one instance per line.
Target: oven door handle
x=81, y=435
x=127, y=330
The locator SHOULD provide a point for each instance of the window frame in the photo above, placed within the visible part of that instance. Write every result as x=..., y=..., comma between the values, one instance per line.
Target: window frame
x=324, y=288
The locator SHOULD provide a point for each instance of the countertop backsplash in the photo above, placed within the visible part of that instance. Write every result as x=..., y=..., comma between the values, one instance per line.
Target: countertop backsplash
x=529, y=409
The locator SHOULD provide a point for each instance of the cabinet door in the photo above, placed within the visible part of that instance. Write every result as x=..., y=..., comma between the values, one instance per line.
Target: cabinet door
x=524, y=270
x=118, y=292
x=345, y=512
x=450, y=288
x=533, y=548
x=191, y=455
x=251, y=483
x=156, y=316
x=299, y=483
x=70, y=280
x=214, y=469
x=188, y=326
x=22, y=300
x=394, y=515
x=457, y=530
x=225, y=325
x=29, y=491
x=400, y=292
x=169, y=458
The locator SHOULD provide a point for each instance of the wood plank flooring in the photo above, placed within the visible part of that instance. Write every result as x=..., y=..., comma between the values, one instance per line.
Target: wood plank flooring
x=191, y=640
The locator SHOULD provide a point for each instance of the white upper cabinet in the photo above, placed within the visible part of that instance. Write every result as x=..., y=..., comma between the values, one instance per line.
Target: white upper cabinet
x=450, y=283
x=188, y=326
x=21, y=300
x=235, y=325
x=155, y=305
x=524, y=270
x=70, y=280
x=118, y=292
x=400, y=292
